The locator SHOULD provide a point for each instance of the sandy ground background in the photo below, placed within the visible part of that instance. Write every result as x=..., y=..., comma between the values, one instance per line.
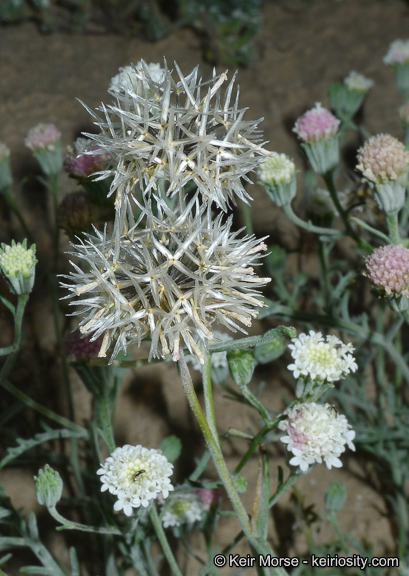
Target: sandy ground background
x=303, y=45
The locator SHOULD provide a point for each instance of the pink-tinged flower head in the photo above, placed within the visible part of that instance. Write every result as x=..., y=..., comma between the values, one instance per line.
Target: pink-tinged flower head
x=388, y=268
x=43, y=137
x=81, y=164
x=316, y=433
x=81, y=348
x=209, y=497
x=383, y=158
x=398, y=53
x=316, y=124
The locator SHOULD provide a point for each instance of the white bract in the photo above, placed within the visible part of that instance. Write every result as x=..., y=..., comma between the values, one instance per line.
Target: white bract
x=136, y=475
x=315, y=433
x=182, y=508
x=326, y=360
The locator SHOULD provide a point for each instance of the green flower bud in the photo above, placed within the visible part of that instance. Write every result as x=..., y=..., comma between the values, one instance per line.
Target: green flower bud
x=48, y=485
x=241, y=364
x=240, y=483
x=17, y=264
x=335, y=496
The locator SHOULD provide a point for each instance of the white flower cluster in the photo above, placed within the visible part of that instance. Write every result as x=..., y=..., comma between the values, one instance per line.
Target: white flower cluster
x=356, y=81
x=182, y=508
x=321, y=360
x=278, y=168
x=398, y=53
x=315, y=433
x=177, y=149
x=135, y=475
x=126, y=79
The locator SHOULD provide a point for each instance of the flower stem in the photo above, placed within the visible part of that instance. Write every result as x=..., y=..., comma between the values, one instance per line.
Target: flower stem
x=18, y=320
x=160, y=533
x=104, y=417
x=208, y=396
x=68, y=525
x=393, y=227
x=259, y=545
x=308, y=225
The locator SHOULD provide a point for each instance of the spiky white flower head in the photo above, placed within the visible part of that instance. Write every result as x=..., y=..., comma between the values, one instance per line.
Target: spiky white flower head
x=182, y=508
x=136, y=475
x=178, y=131
x=358, y=82
x=218, y=359
x=126, y=80
x=17, y=264
x=315, y=433
x=398, y=53
x=322, y=360
x=171, y=280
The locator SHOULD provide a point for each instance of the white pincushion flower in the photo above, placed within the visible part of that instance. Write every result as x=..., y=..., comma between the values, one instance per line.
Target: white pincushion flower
x=182, y=508
x=315, y=433
x=171, y=281
x=277, y=169
x=398, y=53
x=356, y=81
x=326, y=360
x=126, y=79
x=176, y=131
x=136, y=475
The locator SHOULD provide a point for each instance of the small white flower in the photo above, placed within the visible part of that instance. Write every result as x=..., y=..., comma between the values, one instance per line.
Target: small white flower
x=356, y=81
x=315, y=433
x=182, y=508
x=136, y=475
x=398, y=53
x=277, y=169
x=326, y=360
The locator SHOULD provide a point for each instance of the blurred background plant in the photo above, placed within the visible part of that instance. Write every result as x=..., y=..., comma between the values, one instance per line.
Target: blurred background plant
x=227, y=27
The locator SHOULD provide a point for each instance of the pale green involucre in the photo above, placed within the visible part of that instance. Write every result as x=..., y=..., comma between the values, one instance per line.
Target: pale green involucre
x=48, y=486
x=17, y=264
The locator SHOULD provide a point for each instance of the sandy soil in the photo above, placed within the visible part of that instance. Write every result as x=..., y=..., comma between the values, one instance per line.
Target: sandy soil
x=302, y=47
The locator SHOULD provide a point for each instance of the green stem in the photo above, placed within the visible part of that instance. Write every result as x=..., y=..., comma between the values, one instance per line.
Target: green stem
x=68, y=525
x=255, y=442
x=369, y=228
x=282, y=488
x=308, y=225
x=160, y=533
x=329, y=182
x=103, y=413
x=393, y=227
x=18, y=320
x=258, y=544
x=42, y=409
x=208, y=395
